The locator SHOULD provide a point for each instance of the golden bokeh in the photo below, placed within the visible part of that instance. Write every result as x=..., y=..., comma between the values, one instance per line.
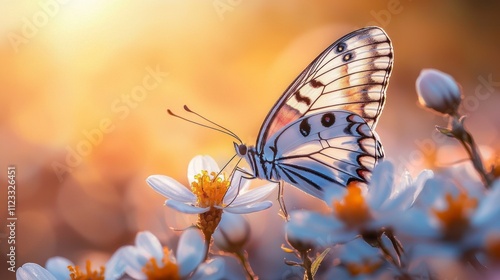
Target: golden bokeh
x=85, y=85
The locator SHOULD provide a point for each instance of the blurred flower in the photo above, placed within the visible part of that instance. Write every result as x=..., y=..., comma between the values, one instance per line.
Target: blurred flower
x=448, y=222
x=232, y=234
x=33, y=271
x=210, y=195
x=149, y=260
x=358, y=260
x=58, y=268
x=358, y=212
x=438, y=91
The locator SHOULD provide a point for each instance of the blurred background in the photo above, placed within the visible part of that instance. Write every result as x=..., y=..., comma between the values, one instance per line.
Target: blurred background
x=85, y=84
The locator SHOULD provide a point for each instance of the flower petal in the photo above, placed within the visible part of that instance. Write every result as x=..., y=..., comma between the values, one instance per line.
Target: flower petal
x=252, y=196
x=248, y=208
x=125, y=260
x=199, y=163
x=488, y=210
x=148, y=242
x=190, y=251
x=211, y=270
x=185, y=208
x=170, y=188
x=58, y=266
x=381, y=185
x=234, y=188
x=316, y=229
x=415, y=223
x=33, y=271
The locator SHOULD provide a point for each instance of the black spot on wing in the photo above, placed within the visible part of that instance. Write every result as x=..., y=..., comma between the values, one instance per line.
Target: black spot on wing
x=316, y=84
x=341, y=47
x=328, y=119
x=302, y=99
x=348, y=57
x=305, y=127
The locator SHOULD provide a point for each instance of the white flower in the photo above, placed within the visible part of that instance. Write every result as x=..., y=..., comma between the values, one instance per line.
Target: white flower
x=449, y=222
x=360, y=211
x=358, y=260
x=211, y=194
x=438, y=91
x=148, y=259
x=56, y=268
x=217, y=193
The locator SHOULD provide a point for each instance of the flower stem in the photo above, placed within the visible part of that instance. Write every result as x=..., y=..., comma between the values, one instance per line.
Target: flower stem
x=466, y=139
x=388, y=256
x=474, y=262
x=307, y=264
x=243, y=257
x=208, y=239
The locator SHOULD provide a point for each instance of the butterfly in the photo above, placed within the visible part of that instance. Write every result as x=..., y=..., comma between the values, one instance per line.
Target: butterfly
x=320, y=133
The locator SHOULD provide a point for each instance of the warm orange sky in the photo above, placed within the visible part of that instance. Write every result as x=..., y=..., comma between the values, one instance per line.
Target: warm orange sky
x=84, y=88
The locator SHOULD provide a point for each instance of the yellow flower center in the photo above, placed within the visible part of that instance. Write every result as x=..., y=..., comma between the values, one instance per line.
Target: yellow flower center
x=455, y=219
x=209, y=189
x=167, y=270
x=352, y=210
x=368, y=266
x=77, y=274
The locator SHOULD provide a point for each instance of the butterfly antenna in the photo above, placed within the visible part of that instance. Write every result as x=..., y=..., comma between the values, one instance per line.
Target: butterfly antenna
x=229, y=132
x=223, y=130
x=225, y=165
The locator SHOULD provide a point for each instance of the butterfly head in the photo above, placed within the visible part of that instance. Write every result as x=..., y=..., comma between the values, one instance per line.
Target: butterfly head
x=241, y=149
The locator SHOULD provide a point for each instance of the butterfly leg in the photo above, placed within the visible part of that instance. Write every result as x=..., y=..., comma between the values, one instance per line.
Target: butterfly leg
x=244, y=175
x=281, y=200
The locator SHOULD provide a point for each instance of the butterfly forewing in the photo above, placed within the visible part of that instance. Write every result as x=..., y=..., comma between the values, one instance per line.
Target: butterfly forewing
x=351, y=74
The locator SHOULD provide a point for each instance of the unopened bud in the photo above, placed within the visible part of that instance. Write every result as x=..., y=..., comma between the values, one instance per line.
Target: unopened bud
x=438, y=91
x=232, y=233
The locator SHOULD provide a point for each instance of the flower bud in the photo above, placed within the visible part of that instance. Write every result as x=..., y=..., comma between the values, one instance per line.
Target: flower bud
x=232, y=233
x=438, y=91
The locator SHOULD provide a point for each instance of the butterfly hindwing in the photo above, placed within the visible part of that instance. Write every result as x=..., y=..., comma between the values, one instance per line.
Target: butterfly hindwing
x=351, y=74
x=324, y=149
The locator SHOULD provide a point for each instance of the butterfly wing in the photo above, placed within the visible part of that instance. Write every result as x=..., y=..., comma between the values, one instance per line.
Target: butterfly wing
x=352, y=74
x=324, y=149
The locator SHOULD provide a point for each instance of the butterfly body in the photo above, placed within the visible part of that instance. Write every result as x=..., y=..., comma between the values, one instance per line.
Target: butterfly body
x=320, y=133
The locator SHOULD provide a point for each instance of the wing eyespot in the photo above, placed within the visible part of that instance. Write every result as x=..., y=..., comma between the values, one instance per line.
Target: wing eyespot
x=305, y=127
x=341, y=47
x=328, y=119
x=347, y=57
